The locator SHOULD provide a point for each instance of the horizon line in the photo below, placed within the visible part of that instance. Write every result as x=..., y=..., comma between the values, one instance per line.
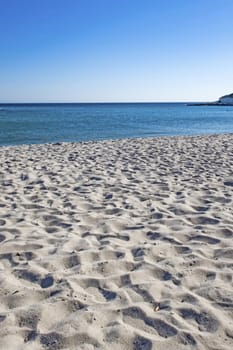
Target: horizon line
x=97, y=102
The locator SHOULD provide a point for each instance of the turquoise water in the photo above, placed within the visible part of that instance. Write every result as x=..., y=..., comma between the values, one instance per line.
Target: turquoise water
x=46, y=123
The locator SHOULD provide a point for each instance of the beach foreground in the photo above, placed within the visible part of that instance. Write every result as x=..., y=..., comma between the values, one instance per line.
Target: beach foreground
x=117, y=245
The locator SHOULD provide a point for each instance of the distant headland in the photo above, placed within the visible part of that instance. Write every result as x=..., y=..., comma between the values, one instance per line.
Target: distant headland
x=226, y=100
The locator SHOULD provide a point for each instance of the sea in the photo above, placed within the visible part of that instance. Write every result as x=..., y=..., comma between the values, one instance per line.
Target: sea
x=75, y=122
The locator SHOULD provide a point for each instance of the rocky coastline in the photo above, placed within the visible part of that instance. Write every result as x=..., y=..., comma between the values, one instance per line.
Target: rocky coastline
x=226, y=100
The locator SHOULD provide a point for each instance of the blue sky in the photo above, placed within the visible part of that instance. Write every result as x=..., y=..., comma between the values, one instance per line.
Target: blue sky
x=115, y=50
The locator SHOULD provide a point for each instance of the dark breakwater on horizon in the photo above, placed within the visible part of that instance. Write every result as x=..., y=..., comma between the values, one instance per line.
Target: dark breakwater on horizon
x=48, y=123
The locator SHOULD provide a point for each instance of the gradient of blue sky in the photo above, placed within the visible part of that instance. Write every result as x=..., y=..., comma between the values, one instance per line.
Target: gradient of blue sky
x=115, y=50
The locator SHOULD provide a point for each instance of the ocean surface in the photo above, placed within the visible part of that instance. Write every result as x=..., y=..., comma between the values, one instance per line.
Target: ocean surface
x=48, y=123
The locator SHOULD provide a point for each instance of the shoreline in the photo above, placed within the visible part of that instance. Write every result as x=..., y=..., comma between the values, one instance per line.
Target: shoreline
x=121, y=244
x=61, y=143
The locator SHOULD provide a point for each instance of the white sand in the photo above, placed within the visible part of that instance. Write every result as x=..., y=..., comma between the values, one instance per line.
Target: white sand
x=117, y=245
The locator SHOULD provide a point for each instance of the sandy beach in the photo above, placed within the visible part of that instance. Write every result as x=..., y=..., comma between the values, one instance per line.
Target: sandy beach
x=123, y=244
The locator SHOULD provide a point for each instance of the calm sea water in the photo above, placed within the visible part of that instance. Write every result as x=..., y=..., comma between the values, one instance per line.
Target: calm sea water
x=46, y=123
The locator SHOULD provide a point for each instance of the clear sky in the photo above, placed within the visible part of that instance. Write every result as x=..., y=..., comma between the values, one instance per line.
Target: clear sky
x=115, y=50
